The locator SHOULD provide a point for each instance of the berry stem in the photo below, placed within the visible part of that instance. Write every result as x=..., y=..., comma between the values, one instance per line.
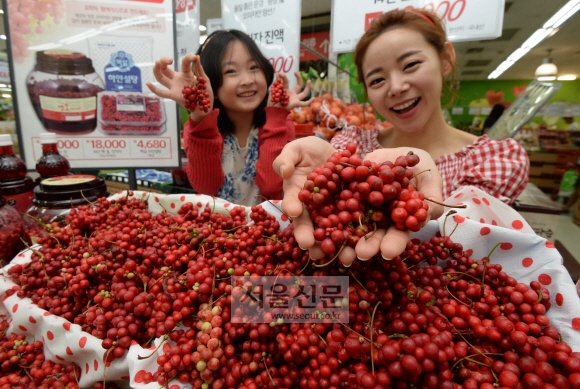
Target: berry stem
x=371, y=336
x=446, y=205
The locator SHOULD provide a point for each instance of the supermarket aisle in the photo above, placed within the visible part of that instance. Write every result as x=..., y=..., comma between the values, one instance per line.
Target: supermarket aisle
x=567, y=240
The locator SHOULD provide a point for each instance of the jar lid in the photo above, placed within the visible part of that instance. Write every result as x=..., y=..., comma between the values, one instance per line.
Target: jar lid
x=63, y=62
x=6, y=140
x=74, y=189
x=48, y=138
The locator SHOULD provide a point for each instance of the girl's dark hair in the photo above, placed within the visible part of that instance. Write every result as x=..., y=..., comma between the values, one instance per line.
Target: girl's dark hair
x=211, y=54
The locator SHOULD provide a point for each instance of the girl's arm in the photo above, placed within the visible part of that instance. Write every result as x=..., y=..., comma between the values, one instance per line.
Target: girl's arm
x=273, y=136
x=204, y=148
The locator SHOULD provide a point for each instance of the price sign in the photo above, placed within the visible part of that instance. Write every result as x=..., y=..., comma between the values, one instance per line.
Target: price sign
x=464, y=20
x=274, y=26
x=107, y=149
x=119, y=40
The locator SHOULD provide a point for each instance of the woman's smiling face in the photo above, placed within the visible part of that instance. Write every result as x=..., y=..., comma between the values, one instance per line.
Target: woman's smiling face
x=403, y=75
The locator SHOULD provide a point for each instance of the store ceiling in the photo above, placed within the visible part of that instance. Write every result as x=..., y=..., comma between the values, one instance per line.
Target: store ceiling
x=477, y=59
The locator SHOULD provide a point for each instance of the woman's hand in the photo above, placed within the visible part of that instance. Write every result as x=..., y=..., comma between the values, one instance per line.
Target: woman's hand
x=297, y=159
x=295, y=95
x=175, y=81
x=301, y=156
x=427, y=180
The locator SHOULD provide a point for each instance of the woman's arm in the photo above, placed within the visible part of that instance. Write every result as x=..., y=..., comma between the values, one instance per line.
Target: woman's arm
x=500, y=168
x=204, y=148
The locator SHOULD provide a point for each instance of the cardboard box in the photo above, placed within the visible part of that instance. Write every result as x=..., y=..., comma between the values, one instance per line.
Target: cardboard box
x=539, y=210
x=543, y=157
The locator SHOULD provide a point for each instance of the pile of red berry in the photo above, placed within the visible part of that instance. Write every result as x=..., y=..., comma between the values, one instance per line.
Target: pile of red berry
x=23, y=365
x=278, y=93
x=196, y=96
x=433, y=317
x=347, y=198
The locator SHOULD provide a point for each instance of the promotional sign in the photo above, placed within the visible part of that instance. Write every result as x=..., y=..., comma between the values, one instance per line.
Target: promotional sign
x=213, y=25
x=464, y=20
x=81, y=71
x=318, y=41
x=273, y=24
x=523, y=109
x=186, y=28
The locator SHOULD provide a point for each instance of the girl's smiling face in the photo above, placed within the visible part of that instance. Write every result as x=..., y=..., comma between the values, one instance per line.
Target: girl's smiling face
x=403, y=75
x=244, y=84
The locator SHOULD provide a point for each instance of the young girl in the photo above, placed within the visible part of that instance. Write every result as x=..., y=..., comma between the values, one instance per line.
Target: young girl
x=402, y=60
x=231, y=147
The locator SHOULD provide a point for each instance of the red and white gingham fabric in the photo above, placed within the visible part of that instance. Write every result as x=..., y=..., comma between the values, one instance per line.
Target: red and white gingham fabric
x=499, y=168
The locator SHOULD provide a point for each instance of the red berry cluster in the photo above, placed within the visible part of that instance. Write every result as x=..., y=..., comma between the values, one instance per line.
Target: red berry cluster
x=347, y=198
x=24, y=365
x=195, y=96
x=278, y=93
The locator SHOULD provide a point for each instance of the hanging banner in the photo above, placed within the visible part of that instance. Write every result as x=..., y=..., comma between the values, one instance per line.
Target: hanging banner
x=186, y=28
x=318, y=41
x=464, y=20
x=80, y=69
x=273, y=24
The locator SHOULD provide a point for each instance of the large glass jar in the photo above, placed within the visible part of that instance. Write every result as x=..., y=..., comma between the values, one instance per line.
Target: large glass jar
x=11, y=231
x=55, y=197
x=63, y=89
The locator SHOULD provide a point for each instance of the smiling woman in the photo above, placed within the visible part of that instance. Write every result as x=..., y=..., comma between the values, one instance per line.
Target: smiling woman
x=403, y=60
x=234, y=131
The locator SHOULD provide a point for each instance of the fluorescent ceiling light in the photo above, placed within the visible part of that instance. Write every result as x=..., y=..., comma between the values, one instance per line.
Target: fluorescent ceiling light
x=3, y=36
x=548, y=29
x=562, y=14
x=536, y=37
x=202, y=27
x=549, y=78
x=567, y=77
x=6, y=96
x=567, y=16
x=1, y=11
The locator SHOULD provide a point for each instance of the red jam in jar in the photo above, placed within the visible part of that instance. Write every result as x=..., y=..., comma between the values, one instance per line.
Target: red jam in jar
x=51, y=163
x=63, y=89
x=55, y=197
x=11, y=232
x=15, y=185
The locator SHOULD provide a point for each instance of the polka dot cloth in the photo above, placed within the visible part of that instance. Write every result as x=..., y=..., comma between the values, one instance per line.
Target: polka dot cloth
x=485, y=223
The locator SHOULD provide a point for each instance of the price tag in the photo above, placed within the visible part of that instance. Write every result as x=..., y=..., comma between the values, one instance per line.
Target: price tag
x=105, y=148
x=157, y=148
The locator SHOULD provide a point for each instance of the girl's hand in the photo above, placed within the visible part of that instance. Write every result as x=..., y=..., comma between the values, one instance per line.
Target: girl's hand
x=175, y=81
x=295, y=95
x=300, y=157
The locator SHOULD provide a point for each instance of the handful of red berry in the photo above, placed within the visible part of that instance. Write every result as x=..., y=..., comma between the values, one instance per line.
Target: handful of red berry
x=347, y=198
x=195, y=95
x=278, y=93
